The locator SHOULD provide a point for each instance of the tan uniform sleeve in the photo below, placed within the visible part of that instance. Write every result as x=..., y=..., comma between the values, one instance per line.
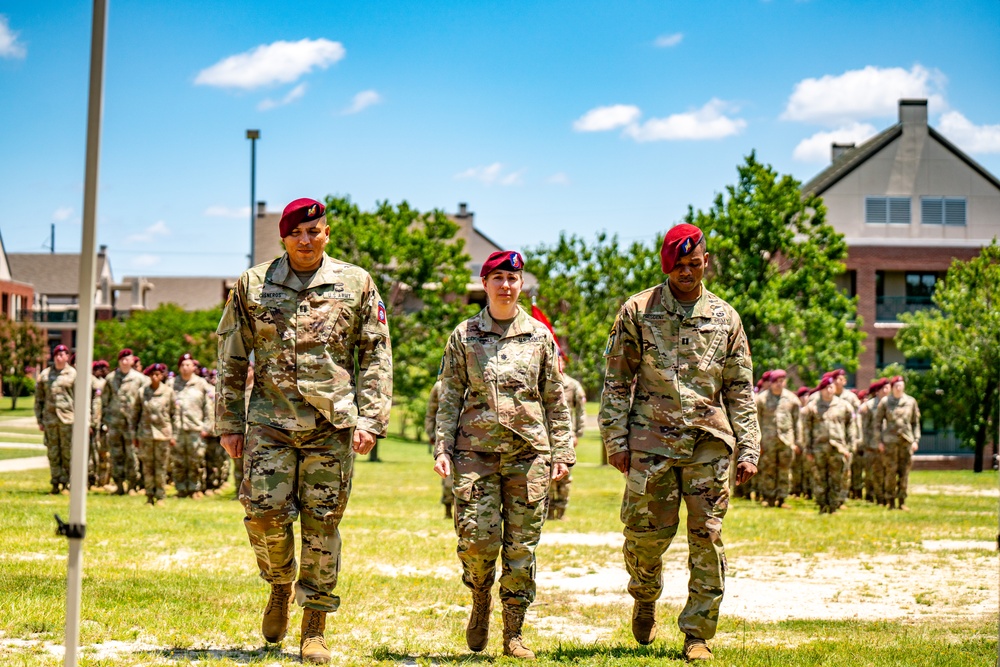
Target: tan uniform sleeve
x=738, y=396
x=797, y=423
x=556, y=411
x=235, y=344
x=880, y=420
x=915, y=423
x=431, y=417
x=40, y=386
x=454, y=381
x=580, y=416
x=374, y=393
x=622, y=357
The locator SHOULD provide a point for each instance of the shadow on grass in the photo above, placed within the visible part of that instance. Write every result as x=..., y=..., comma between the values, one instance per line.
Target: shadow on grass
x=383, y=653
x=568, y=654
x=243, y=655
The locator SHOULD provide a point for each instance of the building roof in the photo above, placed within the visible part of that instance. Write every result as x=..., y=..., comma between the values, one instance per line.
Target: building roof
x=51, y=273
x=188, y=292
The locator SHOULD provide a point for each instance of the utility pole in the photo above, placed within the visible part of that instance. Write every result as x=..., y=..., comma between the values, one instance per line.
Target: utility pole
x=253, y=136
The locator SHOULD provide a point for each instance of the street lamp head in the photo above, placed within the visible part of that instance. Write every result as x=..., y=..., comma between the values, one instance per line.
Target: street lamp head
x=253, y=134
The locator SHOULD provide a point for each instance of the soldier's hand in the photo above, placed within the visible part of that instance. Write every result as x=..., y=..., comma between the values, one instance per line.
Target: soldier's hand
x=204, y=434
x=744, y=471
x=881, y=446
x=619, y=462
x=559, y=471
x=363, y=441
x=233, y=444
x=41, y=428
x=442, y=465
x=172, y=442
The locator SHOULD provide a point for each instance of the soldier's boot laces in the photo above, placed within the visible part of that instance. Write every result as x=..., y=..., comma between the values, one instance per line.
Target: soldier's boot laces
x=274, y=626
x=477, y=632
x=696, y=649
x=313, y=646
x=513, y=642
x=644, y=622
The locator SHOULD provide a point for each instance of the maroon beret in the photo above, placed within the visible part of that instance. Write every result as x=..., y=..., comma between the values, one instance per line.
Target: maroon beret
x=897, y=378
x=766, y=377
x=185, y=357
x=802, y=391
x=876, y=385
x=59, y=348
x=502, y=260
x=861, y=393
x=824, y=383
x=100, y=363
x=299, y=211
x=778, y=374
x=152, y=368
x=678, y=242
x=834, y=373
x=126, y=352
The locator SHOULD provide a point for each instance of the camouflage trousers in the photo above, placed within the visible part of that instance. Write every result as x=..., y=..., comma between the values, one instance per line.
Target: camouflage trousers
x=898, y=459
x=499, y=511
x=559, y=492
x=187, y=462
x=875, y=474
x=124, y=464
x=153, y=454
x=101, y=456
x=774, y=470
x=305, y=475
x=447, y=490
x=801, y=475
x=216, y=463
x=651, y=513
x=58, y=445
x=830, y=467
x=858, y=468
x=238, y=473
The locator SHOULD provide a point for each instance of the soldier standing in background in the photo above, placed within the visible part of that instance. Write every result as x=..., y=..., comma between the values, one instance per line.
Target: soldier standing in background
x=121, y=391
x=155, y=417
x=430, y=427
x=748, y=489
x=678, y=402
x=828, y=427
x=897, y=419
x=195, y=418
x=98, y=467
x=856, y=465
x=874, y=459
x=778, y=414
x=54, y=413
x=318, y=332
x=576, y=402
x=216, y=458
x=801, y=470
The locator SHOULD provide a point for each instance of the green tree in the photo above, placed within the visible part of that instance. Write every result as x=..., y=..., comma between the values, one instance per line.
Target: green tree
x=22, y=350
x=421, y=270
x=961, y=337
x=161, y=335
x=775, y=260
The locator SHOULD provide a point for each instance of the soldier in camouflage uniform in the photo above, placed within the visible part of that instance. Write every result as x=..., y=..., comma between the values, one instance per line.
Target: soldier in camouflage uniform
x=854, y=476
x=503, y=428
x=322, y=391
x=155, y=416
x=677, y=403
x=801, y=471
x=195, y=419
x=897, y=418
x=99, y=466
x=576, y=402
x=216, y=458
x=874, y=458
x=121, y=391
x=54, y=413
x=778, y=414
x=430, y=427
x=829, y=436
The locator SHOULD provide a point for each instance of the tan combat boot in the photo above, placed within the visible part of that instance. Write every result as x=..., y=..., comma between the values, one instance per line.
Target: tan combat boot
x=696, y=649
x=275, y=623
x=644, y=622
x=477, y=632
x=513, y=642
x=312, y=646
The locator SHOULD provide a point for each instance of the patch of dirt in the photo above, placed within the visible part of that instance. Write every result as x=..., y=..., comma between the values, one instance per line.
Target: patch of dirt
x=952, y=490
x=32, y=556
x=958, y=545
x=583, y=539
x=567, y=628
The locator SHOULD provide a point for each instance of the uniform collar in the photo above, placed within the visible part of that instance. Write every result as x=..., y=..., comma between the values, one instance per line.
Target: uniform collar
x=670, y=304
x=327, y=273
x=520, y=325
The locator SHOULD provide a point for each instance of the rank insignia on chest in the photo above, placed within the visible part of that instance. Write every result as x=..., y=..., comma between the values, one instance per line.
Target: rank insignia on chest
x=304, y=308
x=685, y=341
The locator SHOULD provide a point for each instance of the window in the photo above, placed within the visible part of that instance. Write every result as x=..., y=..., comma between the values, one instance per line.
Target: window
x=891, y=210
x=942, y=211
x=920, y=287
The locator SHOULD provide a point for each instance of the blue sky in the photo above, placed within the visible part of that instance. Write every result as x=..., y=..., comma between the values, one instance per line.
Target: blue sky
x=543, y=116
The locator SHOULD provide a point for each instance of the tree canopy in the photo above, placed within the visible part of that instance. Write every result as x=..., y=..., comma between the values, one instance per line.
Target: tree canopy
x=22, y=349
x=161, y=335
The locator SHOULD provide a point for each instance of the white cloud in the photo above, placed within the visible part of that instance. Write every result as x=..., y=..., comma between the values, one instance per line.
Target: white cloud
x=10, y=47
x=362, y=101
x=708, y=122
x=62, y=214
x=667, y=41
x=558, y=178
x=607, y=118
x=492, y=174
x=817, y=147
x=292, y=95
x=280, y=62
x=861, y=94
x=156, y=230
x=967, y=136
x=144, y=261
x=227, y=212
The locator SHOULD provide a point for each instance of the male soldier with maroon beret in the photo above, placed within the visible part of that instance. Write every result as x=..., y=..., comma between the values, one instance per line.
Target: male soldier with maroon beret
x=121, y=391
x=873, y=458
x=677, y=402
x=897, y=419
x=801, y=469
x=54, y=413
x=778, y=415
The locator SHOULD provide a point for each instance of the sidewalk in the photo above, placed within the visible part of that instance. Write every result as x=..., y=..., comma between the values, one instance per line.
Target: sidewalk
x=27, y=463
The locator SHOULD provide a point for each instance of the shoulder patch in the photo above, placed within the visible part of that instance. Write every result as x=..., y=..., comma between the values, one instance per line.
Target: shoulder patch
x=381, y=313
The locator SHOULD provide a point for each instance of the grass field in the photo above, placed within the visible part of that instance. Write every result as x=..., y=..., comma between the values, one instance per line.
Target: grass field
x=178, y=585
x=12, y=453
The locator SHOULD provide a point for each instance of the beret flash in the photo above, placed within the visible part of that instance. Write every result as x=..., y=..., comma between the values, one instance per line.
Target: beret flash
x=186, y=357
x=502, y=260
x=680, y=241
x=153, y=368
x=897, y=378
x=297, y=212
x=59, y=348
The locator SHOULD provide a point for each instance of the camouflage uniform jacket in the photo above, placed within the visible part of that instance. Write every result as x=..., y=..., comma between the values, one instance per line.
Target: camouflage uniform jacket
x=493, y=385
x=118, y=398
x=195, y=407
x=576, y=401
x=54, y=396
x=667, y=373
x=898, y=418
x=779, y=417
x=430, y=419
x=96, y=390
x=830, y=423
x=155, y=412
x=304, y=339
x=869, y=434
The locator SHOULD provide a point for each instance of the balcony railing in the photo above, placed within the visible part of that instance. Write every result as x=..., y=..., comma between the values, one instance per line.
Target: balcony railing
x=51, y=316
x=889, y=308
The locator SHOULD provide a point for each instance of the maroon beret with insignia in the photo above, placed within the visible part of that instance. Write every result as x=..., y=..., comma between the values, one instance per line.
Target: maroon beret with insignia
x=834, y=373
x=100, y=363
x=126, y=352
x=895, y=379
x=802, y=391
x=59, y=348
x=824, y=383
x=877, y=384
x=679, y=241
x=502, y=260
x=185, y=357
x=299, y=211
x=152, y=368
x=778, y=374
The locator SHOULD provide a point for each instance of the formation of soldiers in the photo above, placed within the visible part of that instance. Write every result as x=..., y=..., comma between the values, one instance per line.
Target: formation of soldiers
x=829, y=444
x=148, y=428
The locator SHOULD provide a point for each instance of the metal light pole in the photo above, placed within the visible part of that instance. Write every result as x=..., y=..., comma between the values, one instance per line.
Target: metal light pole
x=253, y=136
